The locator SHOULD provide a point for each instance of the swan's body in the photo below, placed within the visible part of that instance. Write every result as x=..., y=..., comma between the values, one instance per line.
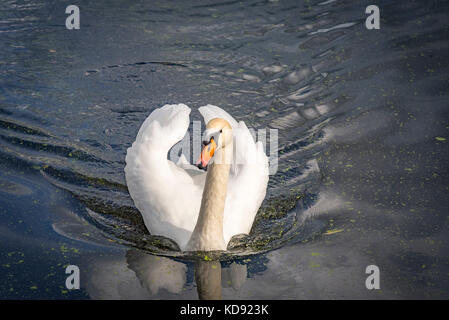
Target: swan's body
x=170, y=196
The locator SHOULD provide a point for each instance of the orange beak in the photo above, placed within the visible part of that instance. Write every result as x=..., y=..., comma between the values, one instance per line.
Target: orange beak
x=206, y=154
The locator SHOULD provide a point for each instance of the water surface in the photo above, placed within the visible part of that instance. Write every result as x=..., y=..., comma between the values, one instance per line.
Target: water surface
x=362, y=118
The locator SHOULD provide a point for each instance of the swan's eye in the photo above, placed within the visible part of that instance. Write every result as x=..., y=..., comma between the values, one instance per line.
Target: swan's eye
x=221, y=130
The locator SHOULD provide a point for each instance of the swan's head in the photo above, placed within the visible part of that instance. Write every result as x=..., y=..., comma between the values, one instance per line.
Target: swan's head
x=217, y=136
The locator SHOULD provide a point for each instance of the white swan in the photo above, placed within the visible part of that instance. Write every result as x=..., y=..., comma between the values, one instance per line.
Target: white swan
x=200, y=210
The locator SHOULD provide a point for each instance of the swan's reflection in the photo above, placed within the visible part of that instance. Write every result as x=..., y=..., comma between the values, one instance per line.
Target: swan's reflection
x=234, y=276
x=140, y=275
x=155, y=273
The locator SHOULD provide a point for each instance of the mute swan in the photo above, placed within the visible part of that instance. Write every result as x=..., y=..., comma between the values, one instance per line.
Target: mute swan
x=200, y=210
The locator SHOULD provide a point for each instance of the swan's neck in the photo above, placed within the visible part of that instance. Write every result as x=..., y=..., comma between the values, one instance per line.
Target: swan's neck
x=208, y=232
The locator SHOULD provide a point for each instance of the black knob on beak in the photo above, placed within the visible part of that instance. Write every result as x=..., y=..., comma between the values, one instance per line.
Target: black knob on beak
x=200, y=166
x=205, y=142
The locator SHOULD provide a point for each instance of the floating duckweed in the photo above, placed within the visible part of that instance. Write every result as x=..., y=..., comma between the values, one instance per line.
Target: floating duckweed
x=333, y=231
x=275, y=224
x=278, y=207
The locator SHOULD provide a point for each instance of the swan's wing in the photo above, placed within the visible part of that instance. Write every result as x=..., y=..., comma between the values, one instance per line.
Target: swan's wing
x=247, y=183
x=166, y=195
x=165, y=126
x=198, y=175
x=210, y=112
x=185, y=164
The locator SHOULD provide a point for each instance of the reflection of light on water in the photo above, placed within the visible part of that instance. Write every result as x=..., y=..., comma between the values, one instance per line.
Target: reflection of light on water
x=368, y=124
x=327, y=202
x=311, y=169
x=289, y=120
x=340, y=26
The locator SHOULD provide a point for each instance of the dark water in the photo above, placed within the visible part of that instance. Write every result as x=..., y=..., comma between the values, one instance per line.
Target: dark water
x=363, y=131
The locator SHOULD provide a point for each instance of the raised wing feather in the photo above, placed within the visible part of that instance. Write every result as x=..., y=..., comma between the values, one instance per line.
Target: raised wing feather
x=247, y=184
x=210, y=112
x=164, y=193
